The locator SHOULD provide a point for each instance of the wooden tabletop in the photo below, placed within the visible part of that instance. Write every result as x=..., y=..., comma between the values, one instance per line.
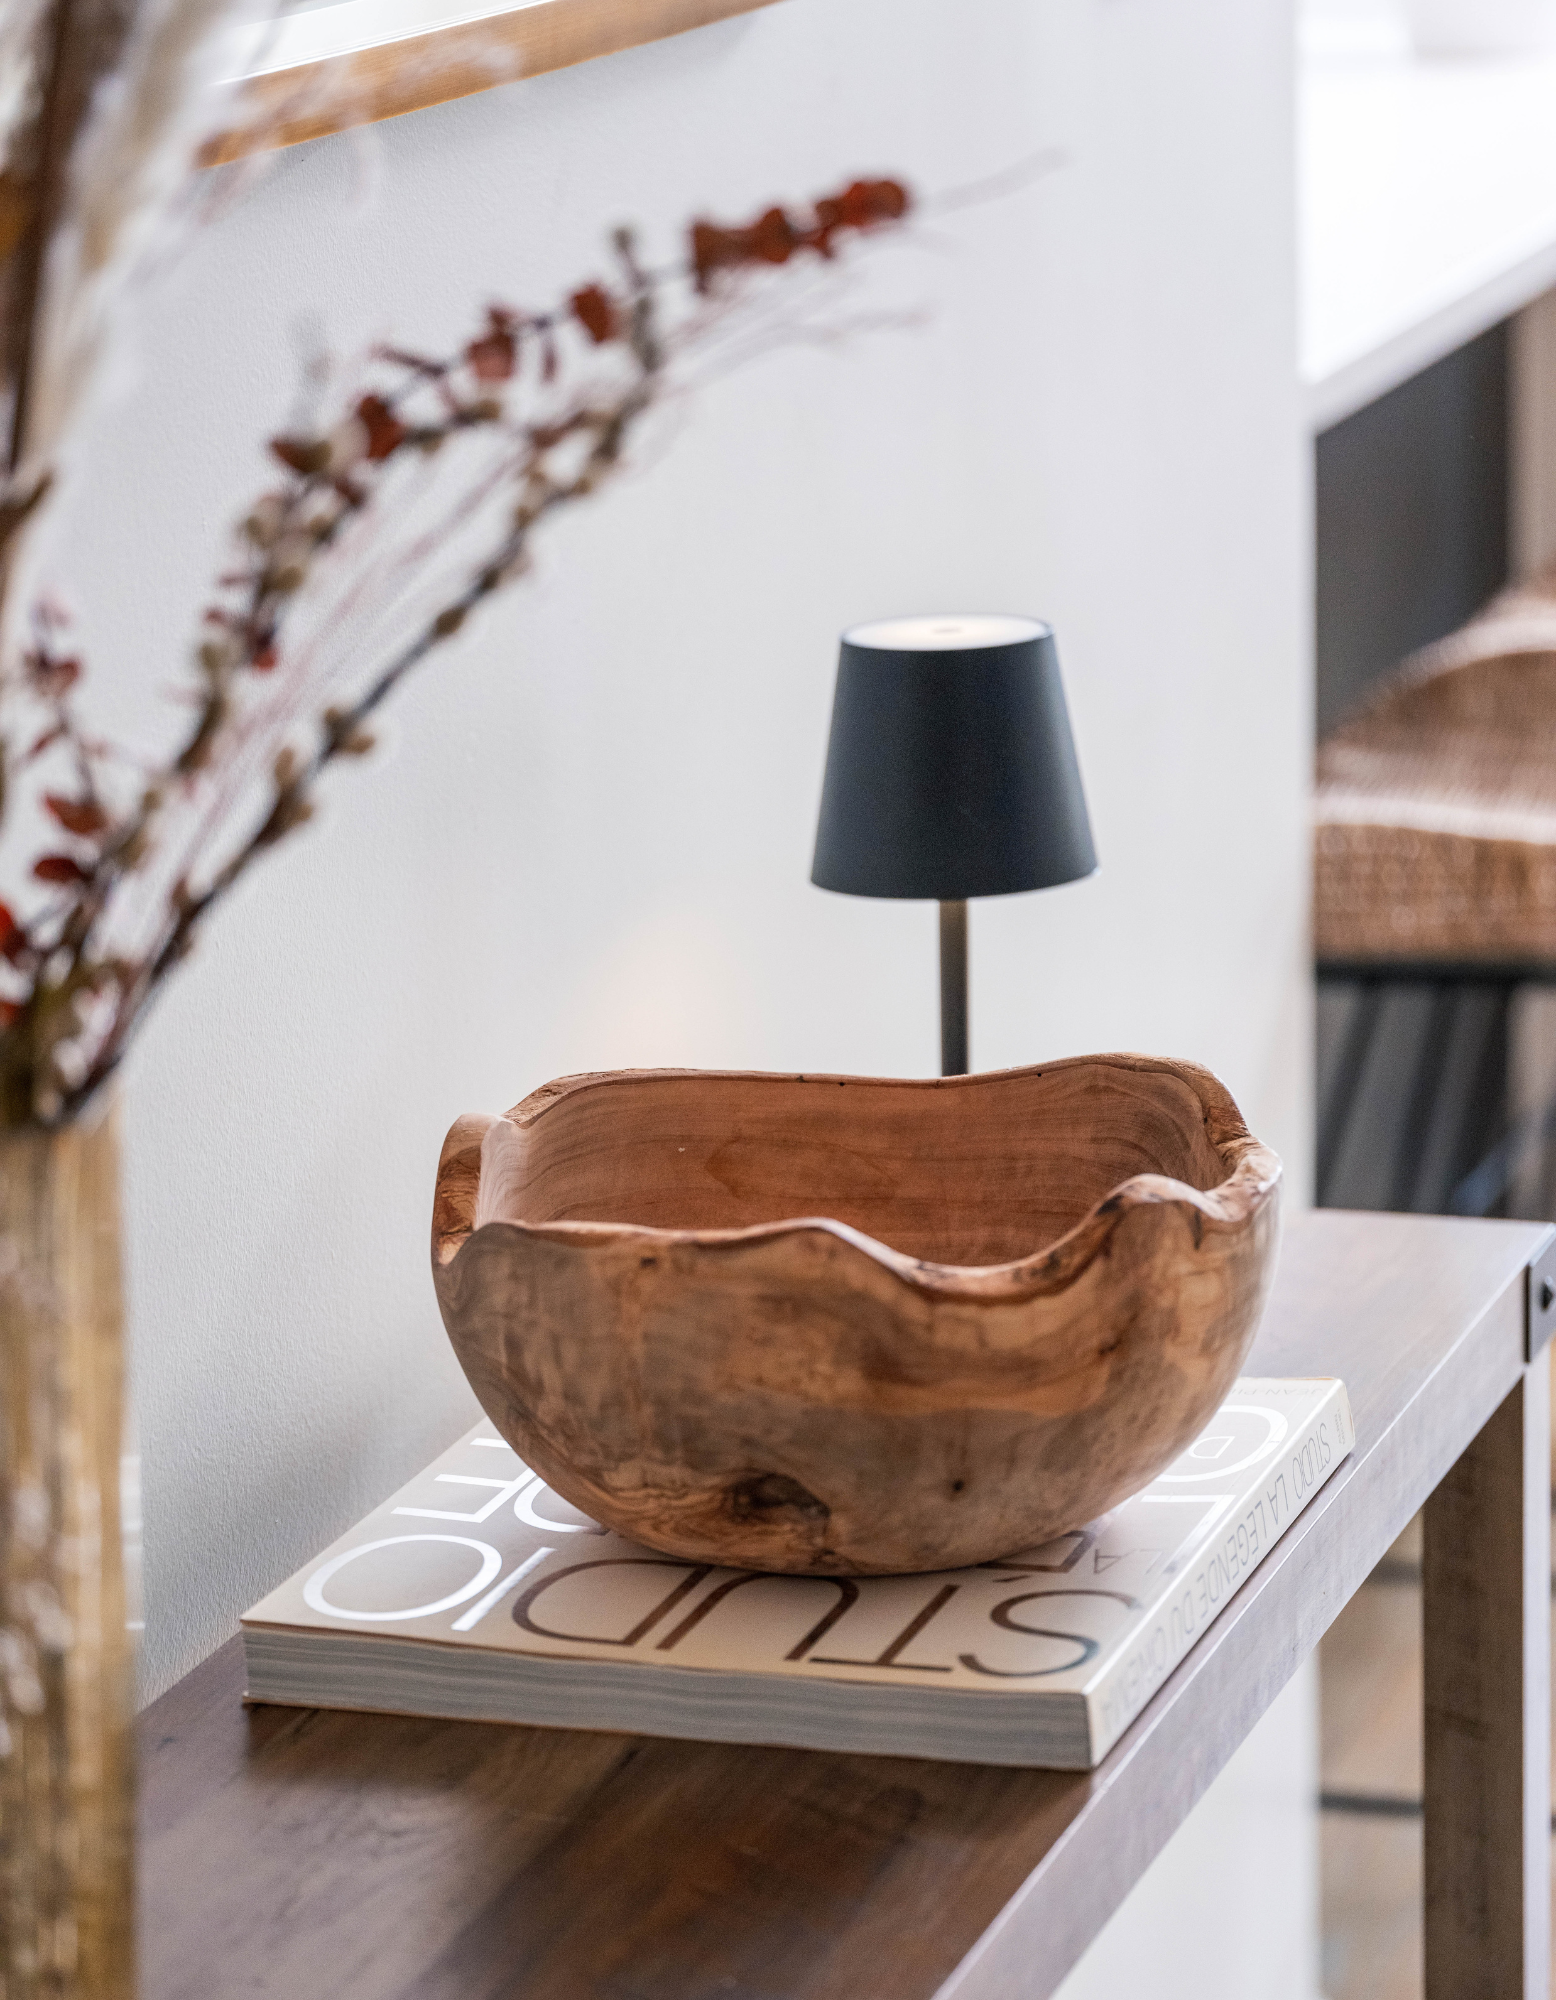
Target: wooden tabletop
x=302, y=1853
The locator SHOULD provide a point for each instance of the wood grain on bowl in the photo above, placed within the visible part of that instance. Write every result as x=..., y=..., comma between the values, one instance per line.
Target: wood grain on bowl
x=852, y=1325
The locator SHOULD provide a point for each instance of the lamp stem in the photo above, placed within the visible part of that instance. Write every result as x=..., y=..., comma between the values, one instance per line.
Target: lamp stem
x=953, y=989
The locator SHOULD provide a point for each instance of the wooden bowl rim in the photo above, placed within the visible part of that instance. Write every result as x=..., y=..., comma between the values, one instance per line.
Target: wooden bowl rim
x=1253, y=1178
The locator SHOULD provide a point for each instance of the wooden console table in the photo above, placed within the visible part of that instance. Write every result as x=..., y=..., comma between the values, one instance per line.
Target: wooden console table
x=323, y=1856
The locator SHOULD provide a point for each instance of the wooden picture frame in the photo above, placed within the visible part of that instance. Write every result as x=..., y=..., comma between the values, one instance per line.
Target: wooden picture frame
x=327, y=68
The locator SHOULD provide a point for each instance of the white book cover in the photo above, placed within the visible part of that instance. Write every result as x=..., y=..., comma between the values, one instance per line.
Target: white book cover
x=476, y=1592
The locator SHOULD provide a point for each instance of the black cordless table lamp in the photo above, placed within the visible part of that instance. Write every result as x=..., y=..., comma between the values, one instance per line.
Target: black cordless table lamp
x=951, y=773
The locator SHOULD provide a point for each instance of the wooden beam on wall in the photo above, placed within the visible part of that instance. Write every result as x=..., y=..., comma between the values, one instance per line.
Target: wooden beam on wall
x=285, y=106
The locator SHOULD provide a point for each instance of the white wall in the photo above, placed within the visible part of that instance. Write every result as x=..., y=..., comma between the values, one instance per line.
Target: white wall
x=591, y=845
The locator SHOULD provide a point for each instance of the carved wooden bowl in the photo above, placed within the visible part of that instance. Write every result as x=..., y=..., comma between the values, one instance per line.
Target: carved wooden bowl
x=846, y=1325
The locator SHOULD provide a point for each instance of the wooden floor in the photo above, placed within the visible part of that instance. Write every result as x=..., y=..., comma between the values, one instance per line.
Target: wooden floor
x=1370, y=1702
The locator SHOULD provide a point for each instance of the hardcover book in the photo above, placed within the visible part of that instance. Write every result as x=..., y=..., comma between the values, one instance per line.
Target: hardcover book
x=477, y=1593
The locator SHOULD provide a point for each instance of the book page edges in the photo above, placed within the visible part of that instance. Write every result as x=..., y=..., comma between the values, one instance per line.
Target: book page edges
x=1112, y=1702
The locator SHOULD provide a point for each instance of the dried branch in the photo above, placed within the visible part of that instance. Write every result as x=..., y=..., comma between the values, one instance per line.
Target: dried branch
x=141, y=854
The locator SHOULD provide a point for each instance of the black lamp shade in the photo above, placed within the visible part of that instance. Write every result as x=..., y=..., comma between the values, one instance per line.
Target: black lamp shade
x=951, y=771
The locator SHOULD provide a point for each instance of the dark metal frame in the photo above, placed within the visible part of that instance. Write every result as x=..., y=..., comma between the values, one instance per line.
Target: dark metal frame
x=953, y=989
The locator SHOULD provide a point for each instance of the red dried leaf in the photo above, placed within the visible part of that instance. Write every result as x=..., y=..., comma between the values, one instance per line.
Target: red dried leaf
x=771, y=239
x=79, y=816
x=385, y=432
x=862, y=205
x=865, y=203
x=59, y=868
x=13, y=939
x=712, y=250
x=491, y=358
x=265, y=658
x=303, y=455
x=774, y=238
x=51, y=678
x=596, y=312
x=10, y=1012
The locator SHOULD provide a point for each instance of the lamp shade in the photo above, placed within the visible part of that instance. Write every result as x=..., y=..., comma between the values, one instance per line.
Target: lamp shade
x=951, y=770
